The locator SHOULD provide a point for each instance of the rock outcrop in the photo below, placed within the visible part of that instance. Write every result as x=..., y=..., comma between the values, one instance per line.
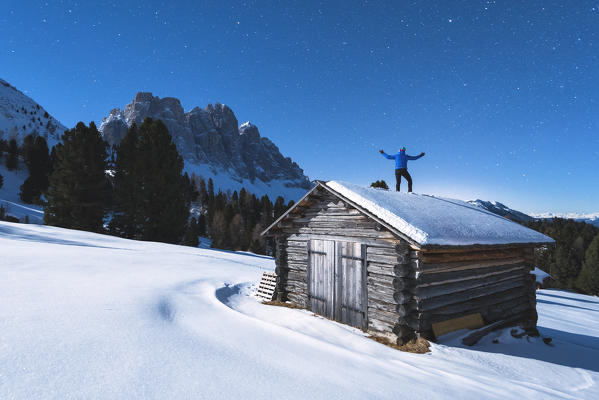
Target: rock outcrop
x=211, y=137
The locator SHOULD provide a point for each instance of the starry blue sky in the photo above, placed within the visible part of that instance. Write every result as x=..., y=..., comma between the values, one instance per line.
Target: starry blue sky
x=502, y=96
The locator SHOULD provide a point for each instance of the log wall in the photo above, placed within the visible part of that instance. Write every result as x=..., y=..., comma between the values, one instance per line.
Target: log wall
x=450, y=283
x=408, y=289
x=326, y=217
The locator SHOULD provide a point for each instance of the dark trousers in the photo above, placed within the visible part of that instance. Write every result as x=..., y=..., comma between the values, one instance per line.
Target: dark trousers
x=398, y=174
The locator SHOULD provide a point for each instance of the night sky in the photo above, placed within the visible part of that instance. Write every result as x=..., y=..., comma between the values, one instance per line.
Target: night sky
x=502, y=96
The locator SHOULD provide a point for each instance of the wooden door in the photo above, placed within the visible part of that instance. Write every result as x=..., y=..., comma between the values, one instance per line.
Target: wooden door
x=321, y=277
x=351, y=293
x=337, y=281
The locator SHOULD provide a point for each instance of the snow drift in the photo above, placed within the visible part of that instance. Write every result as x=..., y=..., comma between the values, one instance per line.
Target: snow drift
x=92, y=316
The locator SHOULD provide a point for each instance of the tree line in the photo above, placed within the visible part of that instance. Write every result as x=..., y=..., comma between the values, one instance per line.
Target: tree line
x=573, y=262
x=235, y=220
x=136, y=190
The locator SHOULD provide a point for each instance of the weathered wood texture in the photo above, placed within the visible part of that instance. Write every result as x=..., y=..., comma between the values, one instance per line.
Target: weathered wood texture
x=385, y=259
x=495, y=282
x=406, y=290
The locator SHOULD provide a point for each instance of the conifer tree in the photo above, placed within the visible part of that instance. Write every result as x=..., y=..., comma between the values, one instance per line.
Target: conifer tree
x=257, y=245
x=236, y=233
x=191, y=234
x=202, y=225
x=210, y=190
x=588, y=279
x=36, y=157
x=150, y=165
x=128, y=215
x=12, y=155
x=203, y=192
x=79, y=191
x=218, y=231
x=279, y=207
x=380, y=184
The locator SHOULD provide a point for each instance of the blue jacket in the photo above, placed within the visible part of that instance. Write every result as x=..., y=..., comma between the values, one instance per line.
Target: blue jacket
x=401, y=159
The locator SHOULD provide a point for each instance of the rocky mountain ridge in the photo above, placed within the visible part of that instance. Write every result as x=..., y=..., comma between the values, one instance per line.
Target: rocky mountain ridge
x=500, y=209
x=213, y=144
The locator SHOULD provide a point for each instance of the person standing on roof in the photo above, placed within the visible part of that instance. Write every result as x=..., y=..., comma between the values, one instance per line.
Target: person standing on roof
x=401, y=166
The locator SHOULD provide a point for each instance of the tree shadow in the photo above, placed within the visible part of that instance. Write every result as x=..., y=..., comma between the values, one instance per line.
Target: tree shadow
x=565, y=305
x=546, y=293
x=569, y=349
x=243, y=253
x=24, y=235
x=223, y=294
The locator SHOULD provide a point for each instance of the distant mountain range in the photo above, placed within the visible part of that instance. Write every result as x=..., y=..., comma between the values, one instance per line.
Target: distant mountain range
x=20, y=116
x=592, y=219
x=213, y=145
x=500, y=209
x=518, y=216
x=210, y=140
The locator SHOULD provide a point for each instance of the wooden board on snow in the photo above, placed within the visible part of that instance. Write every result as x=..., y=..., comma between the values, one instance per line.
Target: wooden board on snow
x=471, y=321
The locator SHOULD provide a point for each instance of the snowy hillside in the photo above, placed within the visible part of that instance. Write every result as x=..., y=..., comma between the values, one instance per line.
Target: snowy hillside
x=20, y=116
x=91, y=316
x=9, y=195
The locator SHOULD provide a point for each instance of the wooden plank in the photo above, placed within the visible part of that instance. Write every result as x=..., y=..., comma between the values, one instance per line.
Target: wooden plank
x=445, y=300
x=467, y=274
x=330, y=271
x=516, y=295
x=310, y=274
x=359, y=238
x=364, y=288
x=471, y=321
x=475, y=255
x=459, y=285
x=338, y=277
x=390, y=270
x=423, y=268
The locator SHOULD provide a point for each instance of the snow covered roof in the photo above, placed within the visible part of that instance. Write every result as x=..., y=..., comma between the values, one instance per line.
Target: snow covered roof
x=430, y=220
x=427, y=220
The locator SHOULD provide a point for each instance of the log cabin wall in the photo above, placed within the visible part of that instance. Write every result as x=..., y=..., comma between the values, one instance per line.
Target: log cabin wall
x=388, y=270
x=408, y=288
x=495, y=282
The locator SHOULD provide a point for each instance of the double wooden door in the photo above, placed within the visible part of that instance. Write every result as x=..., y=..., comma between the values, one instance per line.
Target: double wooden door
x=337, y=281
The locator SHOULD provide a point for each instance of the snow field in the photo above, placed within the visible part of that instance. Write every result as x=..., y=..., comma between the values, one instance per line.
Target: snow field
x=9, y=195
x=92, y=316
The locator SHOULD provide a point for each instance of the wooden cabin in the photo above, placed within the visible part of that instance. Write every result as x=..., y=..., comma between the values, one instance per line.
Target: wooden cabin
x=394, y=264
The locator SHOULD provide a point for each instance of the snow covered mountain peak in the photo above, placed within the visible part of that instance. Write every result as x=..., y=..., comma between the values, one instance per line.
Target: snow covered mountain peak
x=213, y=145
x=501, y=209
x=20, y=116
